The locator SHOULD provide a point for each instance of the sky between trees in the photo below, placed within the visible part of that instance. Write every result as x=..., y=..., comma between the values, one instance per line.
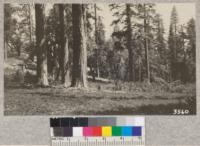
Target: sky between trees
x=185, y=12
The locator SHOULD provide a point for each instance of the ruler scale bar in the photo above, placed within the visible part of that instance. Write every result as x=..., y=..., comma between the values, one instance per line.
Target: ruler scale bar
x=99, y=143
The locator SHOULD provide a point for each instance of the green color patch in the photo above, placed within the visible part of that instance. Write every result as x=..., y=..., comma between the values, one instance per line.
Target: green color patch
x=116, y=131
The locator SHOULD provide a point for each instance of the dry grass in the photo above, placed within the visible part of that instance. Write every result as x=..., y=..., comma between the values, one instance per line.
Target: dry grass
x=59, y=100
x=99, y=99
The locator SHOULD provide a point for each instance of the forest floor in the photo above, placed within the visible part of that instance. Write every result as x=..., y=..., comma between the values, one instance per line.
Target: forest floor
x=98, y=99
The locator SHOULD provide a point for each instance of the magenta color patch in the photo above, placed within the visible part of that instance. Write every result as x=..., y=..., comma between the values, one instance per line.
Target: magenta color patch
x=87, y=131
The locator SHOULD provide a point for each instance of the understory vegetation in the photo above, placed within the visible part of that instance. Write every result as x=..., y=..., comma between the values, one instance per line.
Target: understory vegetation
x=100, y=98
x=66, y=59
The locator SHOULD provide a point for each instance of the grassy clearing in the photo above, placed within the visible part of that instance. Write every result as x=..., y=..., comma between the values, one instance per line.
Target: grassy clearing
x=100, y=98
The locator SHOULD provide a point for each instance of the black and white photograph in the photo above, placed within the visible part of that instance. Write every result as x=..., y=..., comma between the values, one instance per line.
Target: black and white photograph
x=99, y=59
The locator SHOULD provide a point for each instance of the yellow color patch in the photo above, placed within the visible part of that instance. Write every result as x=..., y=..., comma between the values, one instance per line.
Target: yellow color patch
x=107, y=131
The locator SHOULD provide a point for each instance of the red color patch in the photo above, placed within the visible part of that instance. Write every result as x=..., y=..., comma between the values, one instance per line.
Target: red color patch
x=97, y=131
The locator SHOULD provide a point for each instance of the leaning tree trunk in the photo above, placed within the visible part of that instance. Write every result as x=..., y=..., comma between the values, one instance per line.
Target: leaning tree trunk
x=146, y=44
x=79, y=70
x=42, y=73
x=129, y=46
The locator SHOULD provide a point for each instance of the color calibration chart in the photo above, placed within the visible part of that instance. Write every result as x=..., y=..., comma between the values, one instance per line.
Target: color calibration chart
x=97, y=131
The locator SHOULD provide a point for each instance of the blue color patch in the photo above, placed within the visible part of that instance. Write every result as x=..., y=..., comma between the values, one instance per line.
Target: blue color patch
x=137, y=131
x=126, y=131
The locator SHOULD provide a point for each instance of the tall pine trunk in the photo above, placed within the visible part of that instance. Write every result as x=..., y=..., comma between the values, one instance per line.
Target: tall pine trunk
x=96, y=41
x=172, y=42
x=7, y=25
x=42, y=73
x=66, y=75
x=64, y=51
x=129, y=40
x=146, y=44
x=140, y=68
x=79, y=70
x=5, y=50
x=30, y=23
x=175, y=74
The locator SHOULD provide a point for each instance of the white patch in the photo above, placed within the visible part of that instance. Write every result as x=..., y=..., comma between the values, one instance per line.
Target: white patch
x=77, y=131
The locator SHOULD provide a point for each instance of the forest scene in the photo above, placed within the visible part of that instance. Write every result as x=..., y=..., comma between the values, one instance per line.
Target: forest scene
x=99, y=59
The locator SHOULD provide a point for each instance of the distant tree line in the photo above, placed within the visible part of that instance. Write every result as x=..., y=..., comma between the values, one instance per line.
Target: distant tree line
x=151, y=56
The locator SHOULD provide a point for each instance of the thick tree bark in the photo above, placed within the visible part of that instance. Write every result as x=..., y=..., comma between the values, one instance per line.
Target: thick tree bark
x=64, y=51
x=30, y=23
x=79, y=70
x=42, y=73
x=7, y=25
x=66, y=78
x=129, y=40
x=61, y=42
x=96, y=41
x=146, y=44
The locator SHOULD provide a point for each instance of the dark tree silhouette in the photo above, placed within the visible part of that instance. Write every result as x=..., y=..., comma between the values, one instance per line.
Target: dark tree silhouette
x=129, y=40
x=64, y=51
x=79, y=70
x=42, y=73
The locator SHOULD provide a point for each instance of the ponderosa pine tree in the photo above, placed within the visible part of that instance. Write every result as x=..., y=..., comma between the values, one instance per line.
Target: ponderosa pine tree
x=147, y=14
x=129, y=42
x=97, y=21
x=160, y=49
x=97, y=49
x=42, y=73
x=124, y=14
x=79, y=70
x=64, y=51
x=160, y=40
x=102, y=46
x=146, y=41
x=172, y=43
x=7, y=28
x=191, y=35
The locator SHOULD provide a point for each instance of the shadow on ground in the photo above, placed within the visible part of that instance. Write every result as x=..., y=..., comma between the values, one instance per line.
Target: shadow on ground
x=33, y=100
